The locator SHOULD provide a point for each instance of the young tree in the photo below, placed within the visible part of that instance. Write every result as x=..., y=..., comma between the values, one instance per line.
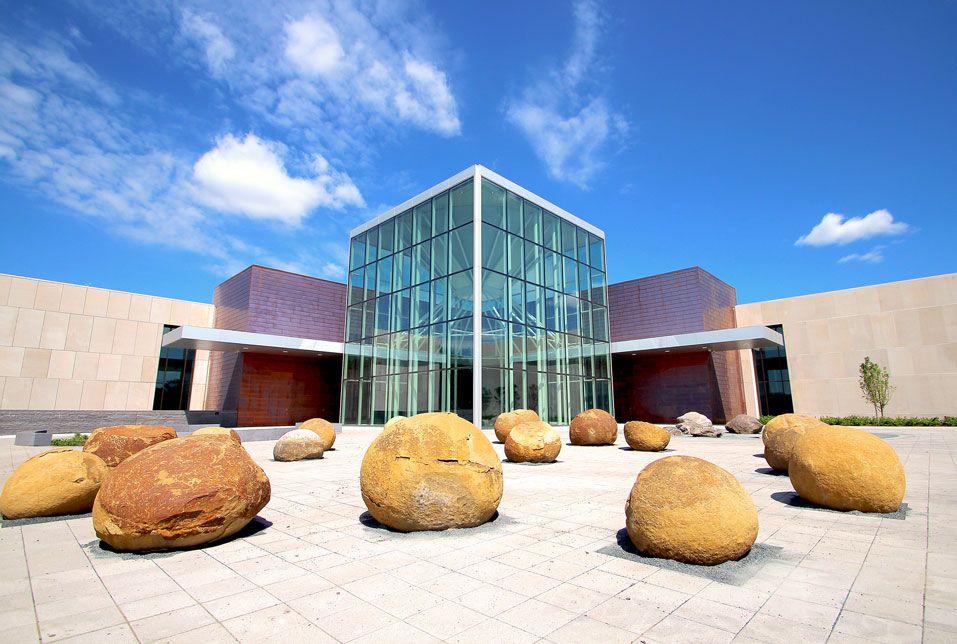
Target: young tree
x=875, y=382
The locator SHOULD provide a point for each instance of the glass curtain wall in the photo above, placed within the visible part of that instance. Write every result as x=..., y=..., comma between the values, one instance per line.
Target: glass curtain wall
x=545, y=342
x=174, y=376
x=409, y=335
x=773, y=379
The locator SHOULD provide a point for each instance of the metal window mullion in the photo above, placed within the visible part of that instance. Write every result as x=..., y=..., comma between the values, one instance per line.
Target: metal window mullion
x=477, y=297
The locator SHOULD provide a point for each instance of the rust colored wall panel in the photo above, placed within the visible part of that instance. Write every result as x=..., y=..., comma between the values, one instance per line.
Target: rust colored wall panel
x=297, y=306
x=283, y=390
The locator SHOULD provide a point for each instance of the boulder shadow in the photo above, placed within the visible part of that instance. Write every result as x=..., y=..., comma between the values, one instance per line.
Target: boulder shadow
x=13, y=523
x=761, y=455
x=625, y=448
x=796, y=501
x=370, y=521
x=770, y=471
x=531, y=464
x=96, y=547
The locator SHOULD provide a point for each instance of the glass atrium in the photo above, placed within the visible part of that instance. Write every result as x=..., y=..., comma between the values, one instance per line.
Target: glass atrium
x=543, y=321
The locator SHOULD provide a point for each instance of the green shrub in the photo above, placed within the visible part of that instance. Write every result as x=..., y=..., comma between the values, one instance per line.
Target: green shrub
x=870, y=421
x=77, y=440
x=764, y=420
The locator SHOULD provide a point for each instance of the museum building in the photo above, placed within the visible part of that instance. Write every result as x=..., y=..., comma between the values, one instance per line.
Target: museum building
x=475, y=296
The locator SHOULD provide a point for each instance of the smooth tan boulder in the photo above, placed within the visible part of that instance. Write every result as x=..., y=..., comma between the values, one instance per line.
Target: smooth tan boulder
x=510, y=419
x=646, y=437
x=780, y=435
x=593, y=427
x=847, y=469
x=687, y=509
x=323, y=429
x=431, y=472
x=58, y=481
x=116, y=444
x=297, y=445
x=533, y=442
x=218, y=431
x=180, y=493
x=393, y=421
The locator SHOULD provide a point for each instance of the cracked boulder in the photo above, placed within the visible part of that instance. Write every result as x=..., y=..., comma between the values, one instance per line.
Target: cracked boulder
x=116, y=444
x=58, y=481
x=431, y=472
x=509, y=420
x=180, y=493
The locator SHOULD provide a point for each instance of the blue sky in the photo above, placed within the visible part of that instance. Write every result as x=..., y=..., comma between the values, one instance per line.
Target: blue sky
x=787, y=148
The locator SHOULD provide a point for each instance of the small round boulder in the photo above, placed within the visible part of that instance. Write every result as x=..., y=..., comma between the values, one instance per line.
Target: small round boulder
x=593, y=427
x=533, y=442
x=180, y=493
x=646, y=437
x=218, y=431
x=116, y=444
x=58, y=481
x=297, y=445
x=847, y=469
x=744, y=424
x=689, y=510
x=779, y=437
x=431, y=472
x=509, y=420
x=323, y=429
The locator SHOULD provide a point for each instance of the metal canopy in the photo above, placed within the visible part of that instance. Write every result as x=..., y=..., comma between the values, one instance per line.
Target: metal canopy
x=746, y=337
x=194, y=337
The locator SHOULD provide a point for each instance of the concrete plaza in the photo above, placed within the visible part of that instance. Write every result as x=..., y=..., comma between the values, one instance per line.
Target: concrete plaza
x=549, y=568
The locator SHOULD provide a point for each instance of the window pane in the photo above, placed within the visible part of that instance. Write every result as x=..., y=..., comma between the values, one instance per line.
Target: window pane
x=401, y=309
x=571, y=314
x=518, y=347
x=386, y=238
x=584, y=280
x=369, y=319
x=440, y=213
x=440, y=304
x=420, y=305
x=460, y=248
x=494, y=297
x=438, y=346
x=494, y=343
x=534, y=295
x=461, y=204
x=493, y=204
x=516, y=289
x=516, y=256
x=402, y=270
x=460, y=295
x=551, y=231
x=568, y=238
x=533, y=263
x=493, y=248
x=571, y=276
x=372, y=245
x=421, y=262
x=495, y=392
x=383, y=313
x=422, y=222
x=597, y=287
x=460, y=343
x=553, y=310
x=403, y=230
x=440, y=256
x=384, y=279
x=354, y=323
x=584, y=318
x=533, y=222
x=513, y=214
x=596, y=254
x=356, y=289
x=582, y=242
x=599, y=323
x=574, y=354
x=380, y=351
x=358, y=254
x=553, y=270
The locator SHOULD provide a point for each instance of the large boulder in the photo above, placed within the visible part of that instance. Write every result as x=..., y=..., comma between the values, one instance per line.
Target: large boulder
x=116, y=444
x=593, y=427
x=695, y=424
x=431, y=472
x=297, y=445
x=180, y=493
x=323, y=429
x=847, y=469
x=511, y=419
x=687, y=509
x=779, y=437
x=646, y=437
x=58, y=481
x=392, y=421
x=533, y=442
x=744, y=424
x=225, y=432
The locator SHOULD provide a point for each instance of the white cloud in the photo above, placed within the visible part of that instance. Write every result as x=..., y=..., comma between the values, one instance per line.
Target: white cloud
x=360, y=64
x=217, y=47
x=249, y=177
x=835, y=229
x=873, y=256
x=568, y=127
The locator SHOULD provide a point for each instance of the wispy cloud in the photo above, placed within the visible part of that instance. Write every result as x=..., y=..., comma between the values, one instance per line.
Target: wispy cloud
x=567, y=121
x=218, y=49
x=835, y=229
x=873, y=256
